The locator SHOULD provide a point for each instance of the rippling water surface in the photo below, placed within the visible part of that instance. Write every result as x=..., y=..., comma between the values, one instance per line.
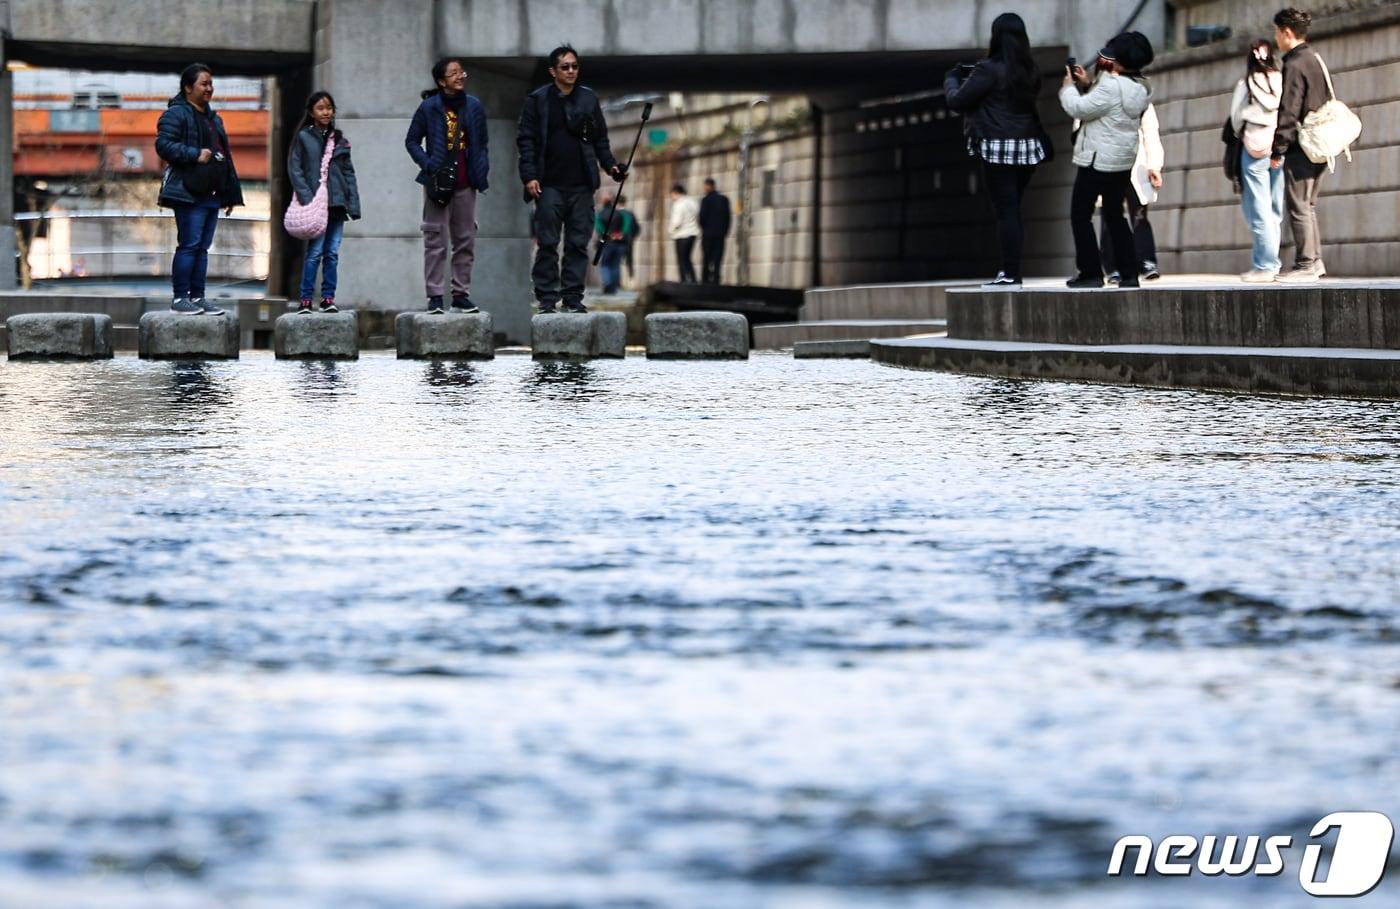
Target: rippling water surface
x=633, y=634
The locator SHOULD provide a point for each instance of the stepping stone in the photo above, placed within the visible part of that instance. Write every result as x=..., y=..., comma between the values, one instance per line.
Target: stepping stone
x=697, y=336
x=579, y=336
x=444, y=336
x=59, y=336
x=316, y=336
x=831, y=350
x=176, y=336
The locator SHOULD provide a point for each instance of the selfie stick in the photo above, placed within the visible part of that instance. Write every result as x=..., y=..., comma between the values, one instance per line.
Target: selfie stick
x=646, y=115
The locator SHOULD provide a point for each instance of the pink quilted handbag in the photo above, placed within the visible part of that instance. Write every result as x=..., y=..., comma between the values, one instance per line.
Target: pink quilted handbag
x=307, y=221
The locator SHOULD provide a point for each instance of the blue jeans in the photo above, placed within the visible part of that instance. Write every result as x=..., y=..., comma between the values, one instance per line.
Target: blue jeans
x=194, y=231
x=610, y=265
x=1261, y=196
x=322, y=253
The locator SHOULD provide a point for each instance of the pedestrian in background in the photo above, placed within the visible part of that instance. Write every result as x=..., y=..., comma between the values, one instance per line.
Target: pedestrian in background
x=1254, y=117
x=1109, y=110
x=996, y=97
x=1146, y=179
x=563, y=141
x=684, y=227
x=617, y=222
x=1305, y=89
x=714, y=227
x=199, y=180
x=316, y=135
x=447, y=140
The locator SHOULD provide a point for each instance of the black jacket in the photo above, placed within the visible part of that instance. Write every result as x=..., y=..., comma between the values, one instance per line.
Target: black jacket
x=179, y=137
x=531, y=136
x=990, y=108
x=304, y=170
x=1304, y=91
x=714, y=215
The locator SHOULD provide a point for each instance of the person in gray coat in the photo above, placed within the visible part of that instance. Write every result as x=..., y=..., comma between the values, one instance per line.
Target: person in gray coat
x=342, y=194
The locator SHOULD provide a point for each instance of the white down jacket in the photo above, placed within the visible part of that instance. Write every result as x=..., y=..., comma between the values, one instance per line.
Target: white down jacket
x=1109, y=116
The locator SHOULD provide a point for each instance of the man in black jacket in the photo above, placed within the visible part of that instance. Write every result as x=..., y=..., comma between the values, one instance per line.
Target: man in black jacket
x=1304, y=91
x=714, y=227
x=563, y=140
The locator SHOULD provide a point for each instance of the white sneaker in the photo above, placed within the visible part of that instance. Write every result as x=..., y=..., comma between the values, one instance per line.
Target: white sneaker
x=1258, y=276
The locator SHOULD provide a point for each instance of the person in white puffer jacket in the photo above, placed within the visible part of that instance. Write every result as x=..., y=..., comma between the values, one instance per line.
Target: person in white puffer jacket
x=1109, y=112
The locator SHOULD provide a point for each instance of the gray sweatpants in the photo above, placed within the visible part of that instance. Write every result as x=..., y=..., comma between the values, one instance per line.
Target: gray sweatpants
x=454, y=223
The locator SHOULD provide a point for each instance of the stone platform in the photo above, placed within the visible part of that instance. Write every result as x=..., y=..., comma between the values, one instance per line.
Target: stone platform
x=579, y=336
x=59, y=336
x=444, y=336
x=316, y=336
x=1333, y=338
x=176, y=336
x=697, y=336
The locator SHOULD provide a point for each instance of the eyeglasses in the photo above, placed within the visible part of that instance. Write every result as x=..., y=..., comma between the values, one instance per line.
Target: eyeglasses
x=567, y=67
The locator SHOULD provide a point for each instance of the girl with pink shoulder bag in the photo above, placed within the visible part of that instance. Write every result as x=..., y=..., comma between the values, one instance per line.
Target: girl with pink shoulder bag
x=325, y=196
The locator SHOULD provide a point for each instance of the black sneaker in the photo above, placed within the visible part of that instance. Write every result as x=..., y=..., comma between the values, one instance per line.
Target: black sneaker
x=305, y=308
x=575, y=306
x=1113, y=277
x=1084, y=281
x=185, y=306
x=328, y=305
x=435, y=303
x=206, y=307
x=1150, y=272
x=463, y=304
x=547, y=309
x=1003, y=280
x=1128, y=283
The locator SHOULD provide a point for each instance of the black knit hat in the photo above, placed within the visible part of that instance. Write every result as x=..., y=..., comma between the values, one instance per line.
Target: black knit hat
x=1130, y=50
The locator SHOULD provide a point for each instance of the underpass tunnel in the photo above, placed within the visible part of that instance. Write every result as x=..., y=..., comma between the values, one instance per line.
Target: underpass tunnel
x=875, y=186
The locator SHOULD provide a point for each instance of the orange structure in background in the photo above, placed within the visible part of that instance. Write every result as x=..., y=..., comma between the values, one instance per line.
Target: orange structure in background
x=121, y=142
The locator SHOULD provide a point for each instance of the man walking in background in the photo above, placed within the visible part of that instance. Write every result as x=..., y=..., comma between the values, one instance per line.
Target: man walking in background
x=1304, y=91
x=714, y=227
x=684, y=228
x=563, y=140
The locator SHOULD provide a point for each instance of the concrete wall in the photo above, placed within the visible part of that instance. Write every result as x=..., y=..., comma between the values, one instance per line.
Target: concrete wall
x=9, y=276
x=1198, y=222
x=264, y=26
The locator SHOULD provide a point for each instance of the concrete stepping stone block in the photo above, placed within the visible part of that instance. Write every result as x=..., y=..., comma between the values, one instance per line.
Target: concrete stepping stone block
x=579, y=336
x=316, y=336
x=59, y=336
x=444, y=336
x=697, y=336
x=177, y=336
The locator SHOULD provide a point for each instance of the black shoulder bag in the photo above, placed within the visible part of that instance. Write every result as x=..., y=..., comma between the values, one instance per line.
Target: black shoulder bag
x=443, y=183
x=207, y=179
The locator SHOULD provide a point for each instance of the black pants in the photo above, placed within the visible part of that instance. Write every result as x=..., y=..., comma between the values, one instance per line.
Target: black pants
x=685, y=250
x=1007, y=185
x=712, y=251
x=1089, y=185
x=1143, y=238
x=570, y=213
x=1301, y=181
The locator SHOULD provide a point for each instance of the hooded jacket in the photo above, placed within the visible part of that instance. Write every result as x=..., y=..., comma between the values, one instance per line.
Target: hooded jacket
x=304, y=170
x=430, y=123
x=179, y=138
x=1109, y=115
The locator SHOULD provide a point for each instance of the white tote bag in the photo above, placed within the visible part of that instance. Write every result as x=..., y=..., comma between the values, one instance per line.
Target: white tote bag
x=1330, y=130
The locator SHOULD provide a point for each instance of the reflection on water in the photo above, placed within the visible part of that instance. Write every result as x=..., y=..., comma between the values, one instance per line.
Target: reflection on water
x=776, y=633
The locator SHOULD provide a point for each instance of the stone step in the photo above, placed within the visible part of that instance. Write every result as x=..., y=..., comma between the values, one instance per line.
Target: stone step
x=1316, y=371
x=59, y=336
x=910, y=301
x=697, y=336
x=831, y=350
x=444, y=336
x=316, y=336
x=788, y=334
x=1327, y=314
x=578, y=336
x=165, y=335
